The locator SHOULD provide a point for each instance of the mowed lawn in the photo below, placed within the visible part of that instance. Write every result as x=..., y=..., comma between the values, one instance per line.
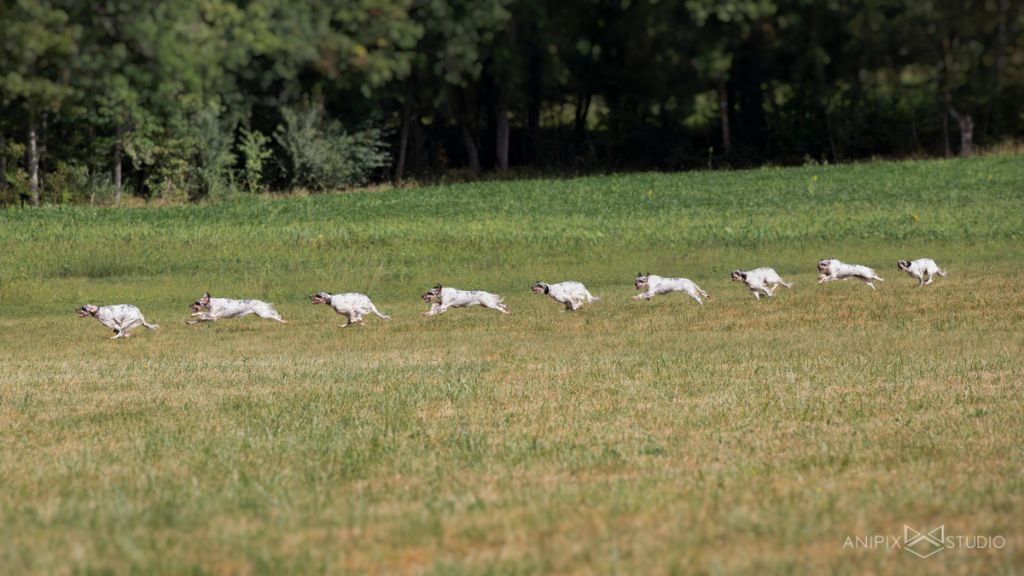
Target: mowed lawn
x=630, y=437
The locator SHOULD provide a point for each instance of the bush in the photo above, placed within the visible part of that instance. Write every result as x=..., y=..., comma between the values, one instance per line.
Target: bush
x=254, y=149
x=214, y=140
x=322, y=155
x=67, y=184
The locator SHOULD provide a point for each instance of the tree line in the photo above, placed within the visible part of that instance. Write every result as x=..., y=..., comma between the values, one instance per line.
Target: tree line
x=206, y=98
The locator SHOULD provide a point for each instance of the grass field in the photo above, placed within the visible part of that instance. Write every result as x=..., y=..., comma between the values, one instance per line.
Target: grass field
x=629, y=437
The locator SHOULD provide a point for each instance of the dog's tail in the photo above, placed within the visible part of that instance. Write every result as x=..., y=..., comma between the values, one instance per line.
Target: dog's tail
x=941, y=272
x=377, y=312
x=786, y=284
x=150, y=326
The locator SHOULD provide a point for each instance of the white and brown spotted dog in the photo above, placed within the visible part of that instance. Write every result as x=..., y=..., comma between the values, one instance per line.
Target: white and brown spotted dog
x=207, y=309
x=831, y=269
x=921, y=268
x=656, y=285
x=572, y=294
x=442, y=298
x=121, y=318
x=760, y=281
x=352, y=305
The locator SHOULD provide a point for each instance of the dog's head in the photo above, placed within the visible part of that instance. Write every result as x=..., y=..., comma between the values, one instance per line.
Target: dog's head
x=826, y=264
x=540, y=288
x=203, y=302
x=738, y=276
x=641, y=280
x=903, y=265
x=432, y=294
x=87, y=310
x=320, y=298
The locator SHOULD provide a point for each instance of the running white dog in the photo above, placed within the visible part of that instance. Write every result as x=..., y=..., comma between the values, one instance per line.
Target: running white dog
x=760, y=281
x=921, y=268
x=831, y=269
x=441, y=299
x=120, y=318
x=352, y=305
x=656, y=285
x=573, y=294
x=217, y=308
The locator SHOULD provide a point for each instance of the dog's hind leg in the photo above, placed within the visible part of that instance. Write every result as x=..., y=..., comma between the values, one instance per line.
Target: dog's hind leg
x=695, y=296
x=267, y=314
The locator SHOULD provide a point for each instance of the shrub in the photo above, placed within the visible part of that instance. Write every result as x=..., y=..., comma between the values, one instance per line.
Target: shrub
x=255, y=152
x=322, y=155
x=214, y=140
x=67, y=184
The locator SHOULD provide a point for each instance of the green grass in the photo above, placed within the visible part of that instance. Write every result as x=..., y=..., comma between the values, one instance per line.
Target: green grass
x=630, y=437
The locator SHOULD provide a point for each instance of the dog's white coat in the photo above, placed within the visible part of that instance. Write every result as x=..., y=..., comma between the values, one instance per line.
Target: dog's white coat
x=121, y=318
x=217, y=308
x=572, y=294
x=657, y=285
x=761, y=281
x=443, y=298
x=831, y=269
x=352, y=305
x=920, y=268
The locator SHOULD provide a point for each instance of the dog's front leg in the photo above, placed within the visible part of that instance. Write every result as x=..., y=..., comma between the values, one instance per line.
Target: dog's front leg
x=202, y=317
x=644, y=295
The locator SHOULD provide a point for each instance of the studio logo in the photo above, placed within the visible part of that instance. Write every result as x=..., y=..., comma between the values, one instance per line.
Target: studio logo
x=924, y=544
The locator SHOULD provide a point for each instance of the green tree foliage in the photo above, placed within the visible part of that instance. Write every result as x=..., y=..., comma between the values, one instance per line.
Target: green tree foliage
x=179, y=98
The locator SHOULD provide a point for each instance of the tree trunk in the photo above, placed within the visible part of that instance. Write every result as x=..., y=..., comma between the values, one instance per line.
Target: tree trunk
x=502, y=130
x=723, y=113
x=966, y=126
x=118, y=155
x=947, y=96
x=471, y=152
x=403, y=144
x=3, y=162
x=536, y=92
x=582, y=111
x=32, y=159
x=947, y=148
x=966, y=135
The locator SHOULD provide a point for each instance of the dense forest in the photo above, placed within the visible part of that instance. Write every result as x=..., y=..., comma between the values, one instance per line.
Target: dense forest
x=183, y=99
